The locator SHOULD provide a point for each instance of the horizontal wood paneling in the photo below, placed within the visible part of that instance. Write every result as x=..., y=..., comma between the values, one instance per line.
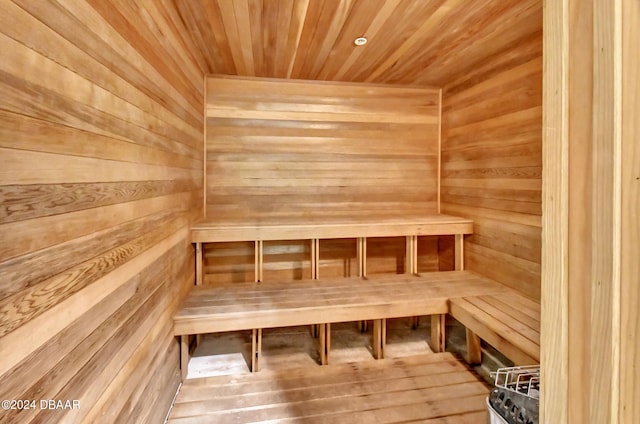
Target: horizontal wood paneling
x=492, y=154
x=281, y=149
x=101, y=173
x=296, y=148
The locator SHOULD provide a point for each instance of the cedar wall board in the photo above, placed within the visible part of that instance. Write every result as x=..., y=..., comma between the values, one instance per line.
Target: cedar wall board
x=101, y=173
x=291, y=149
x=492, y=162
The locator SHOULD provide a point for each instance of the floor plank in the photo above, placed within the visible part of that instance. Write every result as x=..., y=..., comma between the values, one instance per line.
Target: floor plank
x=435, y=388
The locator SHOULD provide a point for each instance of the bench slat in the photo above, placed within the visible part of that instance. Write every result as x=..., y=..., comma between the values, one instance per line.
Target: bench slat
x=522, y=315
x=348, y=226
x=492, y=317
x=344, y=294
x=318, y=301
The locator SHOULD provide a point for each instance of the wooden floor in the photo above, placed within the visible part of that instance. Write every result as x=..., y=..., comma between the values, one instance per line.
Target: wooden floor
x=430, y=388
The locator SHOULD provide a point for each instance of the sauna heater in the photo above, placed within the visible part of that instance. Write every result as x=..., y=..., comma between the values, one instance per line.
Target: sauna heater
x=515, y=397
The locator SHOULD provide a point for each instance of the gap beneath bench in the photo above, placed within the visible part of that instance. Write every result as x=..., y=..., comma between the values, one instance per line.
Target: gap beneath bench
x=288, y=347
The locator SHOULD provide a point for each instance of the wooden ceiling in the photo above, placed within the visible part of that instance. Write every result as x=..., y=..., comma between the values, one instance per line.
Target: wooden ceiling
x=417, y=42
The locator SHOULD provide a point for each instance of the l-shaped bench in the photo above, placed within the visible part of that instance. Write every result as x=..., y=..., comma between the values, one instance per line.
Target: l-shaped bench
x=489, y=310
x=492, y=311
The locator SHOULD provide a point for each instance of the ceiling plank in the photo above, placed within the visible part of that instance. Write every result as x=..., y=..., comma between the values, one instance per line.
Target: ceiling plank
x=411, y=42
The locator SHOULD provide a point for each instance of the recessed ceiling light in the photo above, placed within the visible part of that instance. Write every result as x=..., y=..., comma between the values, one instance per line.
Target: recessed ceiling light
x=360, y=41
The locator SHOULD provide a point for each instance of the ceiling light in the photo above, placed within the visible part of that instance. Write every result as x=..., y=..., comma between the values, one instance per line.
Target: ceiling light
x=360, y=41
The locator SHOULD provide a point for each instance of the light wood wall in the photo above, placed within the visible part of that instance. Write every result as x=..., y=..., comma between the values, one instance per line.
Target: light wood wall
x=101, y=171
x=278, y=148
x=491, y=161
x=591, y=276
x=281, y=150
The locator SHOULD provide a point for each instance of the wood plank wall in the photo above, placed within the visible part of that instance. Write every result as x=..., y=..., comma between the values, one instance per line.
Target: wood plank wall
x=492, y=162
x=281, y=150
x=591, y=274
x=101, y=171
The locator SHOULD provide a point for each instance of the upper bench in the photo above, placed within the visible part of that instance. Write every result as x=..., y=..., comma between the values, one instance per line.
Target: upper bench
x=329, y=227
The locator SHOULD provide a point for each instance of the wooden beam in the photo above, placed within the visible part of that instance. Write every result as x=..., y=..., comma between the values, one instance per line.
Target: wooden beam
x=199, y=263
x=325, y=343
x=554, y=396
x=590, y=162
x=379, y=337
x=362, y=256
x=438, y=332
x=629, y=409
x=361, y=249
x=459, y=252
x=315, y=258
x=256, y=349
x=474, y=351
x=411, y=266
x=184, y=356
x=258, y=261
x=256, y=333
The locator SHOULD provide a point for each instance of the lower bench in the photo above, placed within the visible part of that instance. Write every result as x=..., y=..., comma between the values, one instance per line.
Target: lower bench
x=508, y=321
x=254, y=306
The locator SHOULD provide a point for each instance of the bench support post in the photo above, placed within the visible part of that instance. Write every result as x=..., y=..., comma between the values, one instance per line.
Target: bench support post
x=256, y=333
x=315, y=259
x=379, y=337
x=438, y=321
x=199, y=264
x=438, y=332
x=411, y=255
x=258, y=261
x=474, y=353
x=362, y=256
x=411, y=266
x=459, y=252
x=361, y=249
x=256, y=349
x=184, y=356
x=325, y=343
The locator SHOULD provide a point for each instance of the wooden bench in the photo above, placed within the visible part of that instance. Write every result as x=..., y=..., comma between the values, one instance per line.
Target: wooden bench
x=255, y=306
x=423, y=388
x=508, y=321
x=330, y=227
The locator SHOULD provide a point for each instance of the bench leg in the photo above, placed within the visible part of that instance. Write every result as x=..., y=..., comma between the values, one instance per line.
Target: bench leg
x=437, y=332
x=474, y=353
x=256, y=349
x=315, y=330
x=379, y=337
x=361, y=252
x=415, y=322
x=199, y=264
x=459, y=252
x=184, y=356
x=325, y=343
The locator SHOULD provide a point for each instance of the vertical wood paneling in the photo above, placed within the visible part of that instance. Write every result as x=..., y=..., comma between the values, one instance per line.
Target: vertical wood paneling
x=101, y=153
x=491, y=158
x=589, y=326
x=629, y=410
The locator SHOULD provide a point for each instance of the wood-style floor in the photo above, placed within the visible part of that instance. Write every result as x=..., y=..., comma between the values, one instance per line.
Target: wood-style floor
x=430, y=388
